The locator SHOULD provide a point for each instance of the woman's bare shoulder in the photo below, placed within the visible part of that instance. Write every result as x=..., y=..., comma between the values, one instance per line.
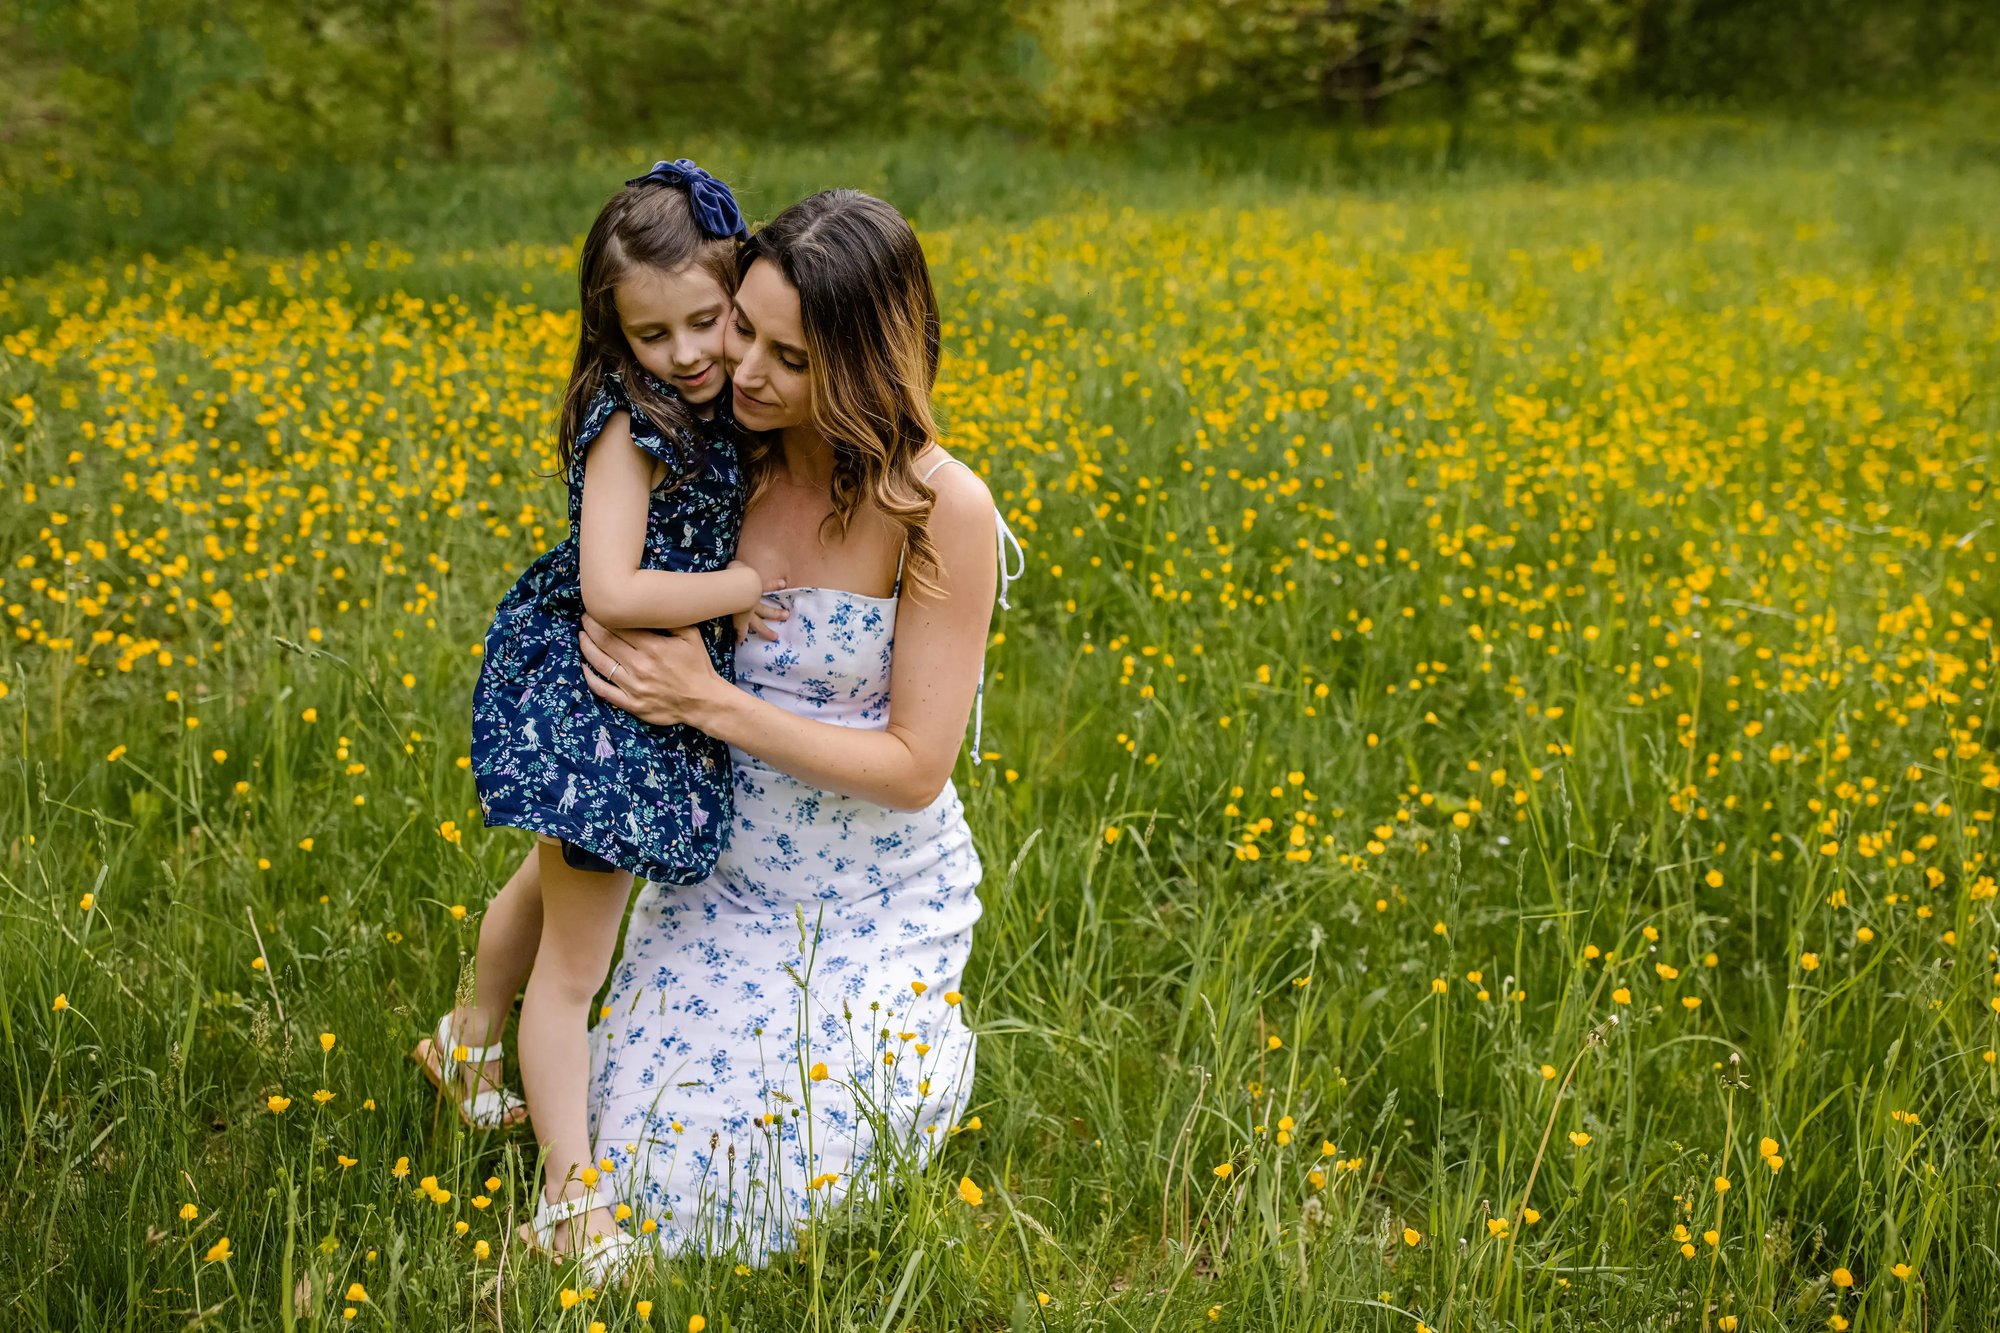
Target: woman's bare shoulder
x=961, y=492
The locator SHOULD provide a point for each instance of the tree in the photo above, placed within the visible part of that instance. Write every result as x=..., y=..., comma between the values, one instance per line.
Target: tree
x=1118, y=63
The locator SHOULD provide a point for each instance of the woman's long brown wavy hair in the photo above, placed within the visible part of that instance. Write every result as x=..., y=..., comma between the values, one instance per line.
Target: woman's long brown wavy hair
x=870, y=319
x=650, y=225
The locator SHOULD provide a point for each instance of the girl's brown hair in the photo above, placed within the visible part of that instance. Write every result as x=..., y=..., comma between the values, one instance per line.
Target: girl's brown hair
x=652, y=225
x=870, y=319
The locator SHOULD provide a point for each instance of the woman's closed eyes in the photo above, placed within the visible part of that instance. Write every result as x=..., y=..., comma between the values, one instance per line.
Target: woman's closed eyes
x=792, y=363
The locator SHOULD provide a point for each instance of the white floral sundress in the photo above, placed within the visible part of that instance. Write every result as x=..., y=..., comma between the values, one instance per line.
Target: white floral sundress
x=787, y=1030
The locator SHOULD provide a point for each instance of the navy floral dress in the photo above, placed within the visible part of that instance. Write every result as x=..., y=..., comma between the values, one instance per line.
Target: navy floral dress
x=552, y=757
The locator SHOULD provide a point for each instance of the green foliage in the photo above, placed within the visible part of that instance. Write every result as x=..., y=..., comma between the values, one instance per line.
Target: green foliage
x=1809, y=49
x=798, y=65
x=1124, y=63
x=199, y=91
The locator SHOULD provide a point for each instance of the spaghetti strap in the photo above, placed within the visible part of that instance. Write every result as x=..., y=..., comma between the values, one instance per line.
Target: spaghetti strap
x=1002, y=533
x=903, y=554
x=943, y=462
x=1006, y=539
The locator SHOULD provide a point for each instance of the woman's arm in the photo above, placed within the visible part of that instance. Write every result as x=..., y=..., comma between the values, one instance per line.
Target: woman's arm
x=940, y=646
x=617, y=489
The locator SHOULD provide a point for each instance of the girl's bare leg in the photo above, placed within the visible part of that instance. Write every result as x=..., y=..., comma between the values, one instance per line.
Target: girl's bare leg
x=509, y=934
x=581, y=910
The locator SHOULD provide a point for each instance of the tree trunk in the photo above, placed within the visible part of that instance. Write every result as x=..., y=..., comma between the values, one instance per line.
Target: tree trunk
x=446, y=120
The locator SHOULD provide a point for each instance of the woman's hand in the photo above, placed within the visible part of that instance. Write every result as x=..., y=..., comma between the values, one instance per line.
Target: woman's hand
x=662, y=678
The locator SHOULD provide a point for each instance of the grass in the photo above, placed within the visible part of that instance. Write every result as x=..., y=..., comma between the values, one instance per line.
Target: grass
x=1498, y=721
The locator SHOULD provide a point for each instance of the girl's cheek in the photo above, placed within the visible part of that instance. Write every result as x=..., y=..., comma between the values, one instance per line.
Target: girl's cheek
x=654, y=358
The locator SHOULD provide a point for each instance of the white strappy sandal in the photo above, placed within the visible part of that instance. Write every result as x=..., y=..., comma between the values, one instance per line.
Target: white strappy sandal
x=604, y=1259
x=444, y=1059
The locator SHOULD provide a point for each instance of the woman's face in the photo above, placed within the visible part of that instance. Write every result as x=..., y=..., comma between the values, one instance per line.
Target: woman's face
x=766, y=348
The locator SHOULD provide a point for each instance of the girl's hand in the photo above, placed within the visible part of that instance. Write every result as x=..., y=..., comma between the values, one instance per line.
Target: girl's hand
x=760, y=620
x=756, y=586
x=761, y=614
x=662, y=678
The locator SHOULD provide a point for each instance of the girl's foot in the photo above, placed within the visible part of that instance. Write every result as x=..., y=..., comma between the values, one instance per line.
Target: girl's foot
x=471, y=1076
x=582, y=1227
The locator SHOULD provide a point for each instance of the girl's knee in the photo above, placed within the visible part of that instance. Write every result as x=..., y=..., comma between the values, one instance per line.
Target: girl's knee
x=564, y=984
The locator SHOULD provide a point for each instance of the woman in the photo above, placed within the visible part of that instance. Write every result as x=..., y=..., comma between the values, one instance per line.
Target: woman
x=793, y=1020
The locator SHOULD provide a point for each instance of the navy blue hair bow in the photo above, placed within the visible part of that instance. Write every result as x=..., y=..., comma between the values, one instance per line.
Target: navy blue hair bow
x=714, y=206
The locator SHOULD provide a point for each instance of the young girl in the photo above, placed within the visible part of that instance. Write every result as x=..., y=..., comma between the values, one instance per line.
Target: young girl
x=656, y=497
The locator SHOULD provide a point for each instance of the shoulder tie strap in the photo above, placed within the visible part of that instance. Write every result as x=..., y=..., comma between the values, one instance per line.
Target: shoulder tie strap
x=1008, y=539
x=1004, y=538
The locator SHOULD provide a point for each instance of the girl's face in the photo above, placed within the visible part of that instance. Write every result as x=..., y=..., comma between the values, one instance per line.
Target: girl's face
x=675, y=323
x=767, y=352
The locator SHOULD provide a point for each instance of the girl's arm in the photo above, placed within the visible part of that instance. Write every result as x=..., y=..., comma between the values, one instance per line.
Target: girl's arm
x=617, y=488
x=940, y=645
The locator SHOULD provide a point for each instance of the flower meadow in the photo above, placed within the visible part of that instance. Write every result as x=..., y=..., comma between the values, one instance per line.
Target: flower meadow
x=1488, y=796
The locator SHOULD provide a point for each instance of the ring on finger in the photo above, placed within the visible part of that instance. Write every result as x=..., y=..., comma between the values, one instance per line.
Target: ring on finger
x=615, y=665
